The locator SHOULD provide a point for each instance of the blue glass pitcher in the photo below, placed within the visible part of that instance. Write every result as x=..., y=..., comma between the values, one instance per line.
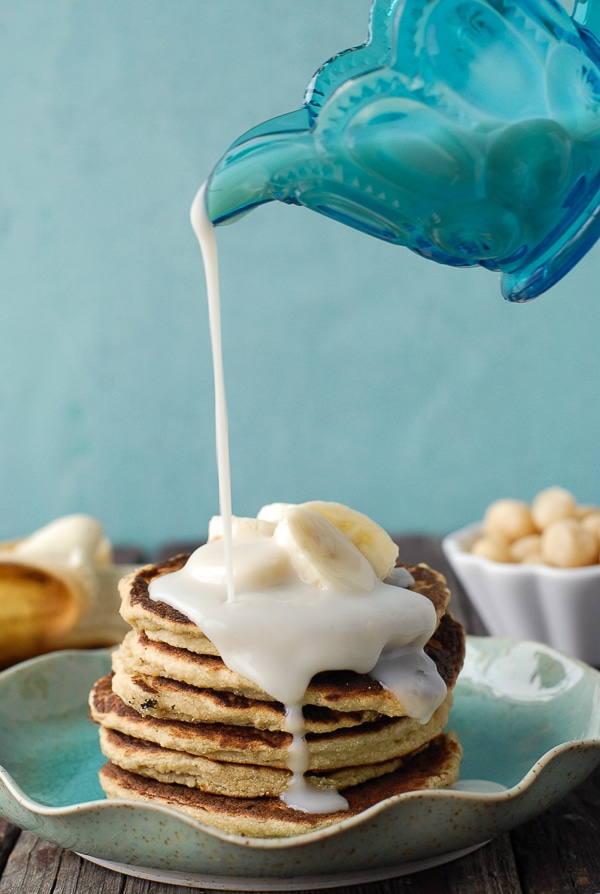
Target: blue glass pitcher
x=466, y=130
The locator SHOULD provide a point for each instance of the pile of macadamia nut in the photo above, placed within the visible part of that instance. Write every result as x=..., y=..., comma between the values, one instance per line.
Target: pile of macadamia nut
x=553, y=530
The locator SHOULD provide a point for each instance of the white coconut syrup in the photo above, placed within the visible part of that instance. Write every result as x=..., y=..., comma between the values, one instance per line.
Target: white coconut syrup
x=283, y=633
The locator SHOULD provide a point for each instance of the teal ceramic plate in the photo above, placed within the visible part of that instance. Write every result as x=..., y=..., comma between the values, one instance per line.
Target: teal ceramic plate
x=528, y=718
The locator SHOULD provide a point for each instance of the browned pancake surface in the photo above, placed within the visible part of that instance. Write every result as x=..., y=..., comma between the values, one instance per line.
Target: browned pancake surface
x=168, y=699
x=337, y=690
x=230, y=779
x=367, y=743
x=434, y=766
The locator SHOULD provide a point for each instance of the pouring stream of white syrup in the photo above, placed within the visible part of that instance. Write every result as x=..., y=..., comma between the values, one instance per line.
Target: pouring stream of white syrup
x=205, y=233
x=283, y=632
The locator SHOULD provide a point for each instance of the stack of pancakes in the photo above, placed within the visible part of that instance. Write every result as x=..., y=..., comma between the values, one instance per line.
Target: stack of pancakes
x=179, y=728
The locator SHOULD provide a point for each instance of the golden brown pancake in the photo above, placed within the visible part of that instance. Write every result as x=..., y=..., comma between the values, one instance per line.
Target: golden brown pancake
x=368, y=743
x=174, y=700
x=223, y=778
x=339, y=690
x=434, y=766
x=180, y=728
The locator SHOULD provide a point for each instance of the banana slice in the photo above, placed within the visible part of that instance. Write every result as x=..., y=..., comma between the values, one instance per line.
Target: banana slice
x=241, y=528
x=321, y=554
x=274, y=512
x=368, y=537
x=73, y=539
x=258, y=563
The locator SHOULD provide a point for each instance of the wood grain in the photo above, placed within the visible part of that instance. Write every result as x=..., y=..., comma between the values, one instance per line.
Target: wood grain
x=8, y=838
x=559, y=852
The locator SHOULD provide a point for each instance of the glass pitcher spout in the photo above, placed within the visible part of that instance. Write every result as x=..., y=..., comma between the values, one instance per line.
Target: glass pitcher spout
x=465, y=130
x=246, y=176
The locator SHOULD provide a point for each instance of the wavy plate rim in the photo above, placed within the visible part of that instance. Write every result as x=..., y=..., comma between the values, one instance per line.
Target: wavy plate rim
x=468, y=799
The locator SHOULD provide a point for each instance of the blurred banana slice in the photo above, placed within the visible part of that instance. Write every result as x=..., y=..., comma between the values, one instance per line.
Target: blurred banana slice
x=58, y=589
x=320, y=553
x=274, y=512
x=72, y=539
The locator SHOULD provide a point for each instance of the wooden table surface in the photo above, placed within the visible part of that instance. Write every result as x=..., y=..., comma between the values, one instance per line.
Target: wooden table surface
x=555, y=853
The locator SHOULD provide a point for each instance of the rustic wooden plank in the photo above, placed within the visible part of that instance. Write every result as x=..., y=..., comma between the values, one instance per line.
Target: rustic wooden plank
x=489, y=870
x=94, y=879
x=8, y=838
x=37, y=866
x=559, y=852
x=140, y=886
x=33, y=865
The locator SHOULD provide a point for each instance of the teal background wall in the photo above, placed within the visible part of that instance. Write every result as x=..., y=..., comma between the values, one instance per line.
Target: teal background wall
x=355, y=371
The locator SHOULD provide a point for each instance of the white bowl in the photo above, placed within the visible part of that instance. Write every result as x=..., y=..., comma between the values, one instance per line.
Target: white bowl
x=557, y=606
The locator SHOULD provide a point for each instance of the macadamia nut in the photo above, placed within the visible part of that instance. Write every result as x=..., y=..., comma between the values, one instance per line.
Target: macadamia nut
x=568, y=544
x=592, y=523
x=552, y=504
x=554, y=530
x=492, y=547
x=527, y=549
x=509, y=519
